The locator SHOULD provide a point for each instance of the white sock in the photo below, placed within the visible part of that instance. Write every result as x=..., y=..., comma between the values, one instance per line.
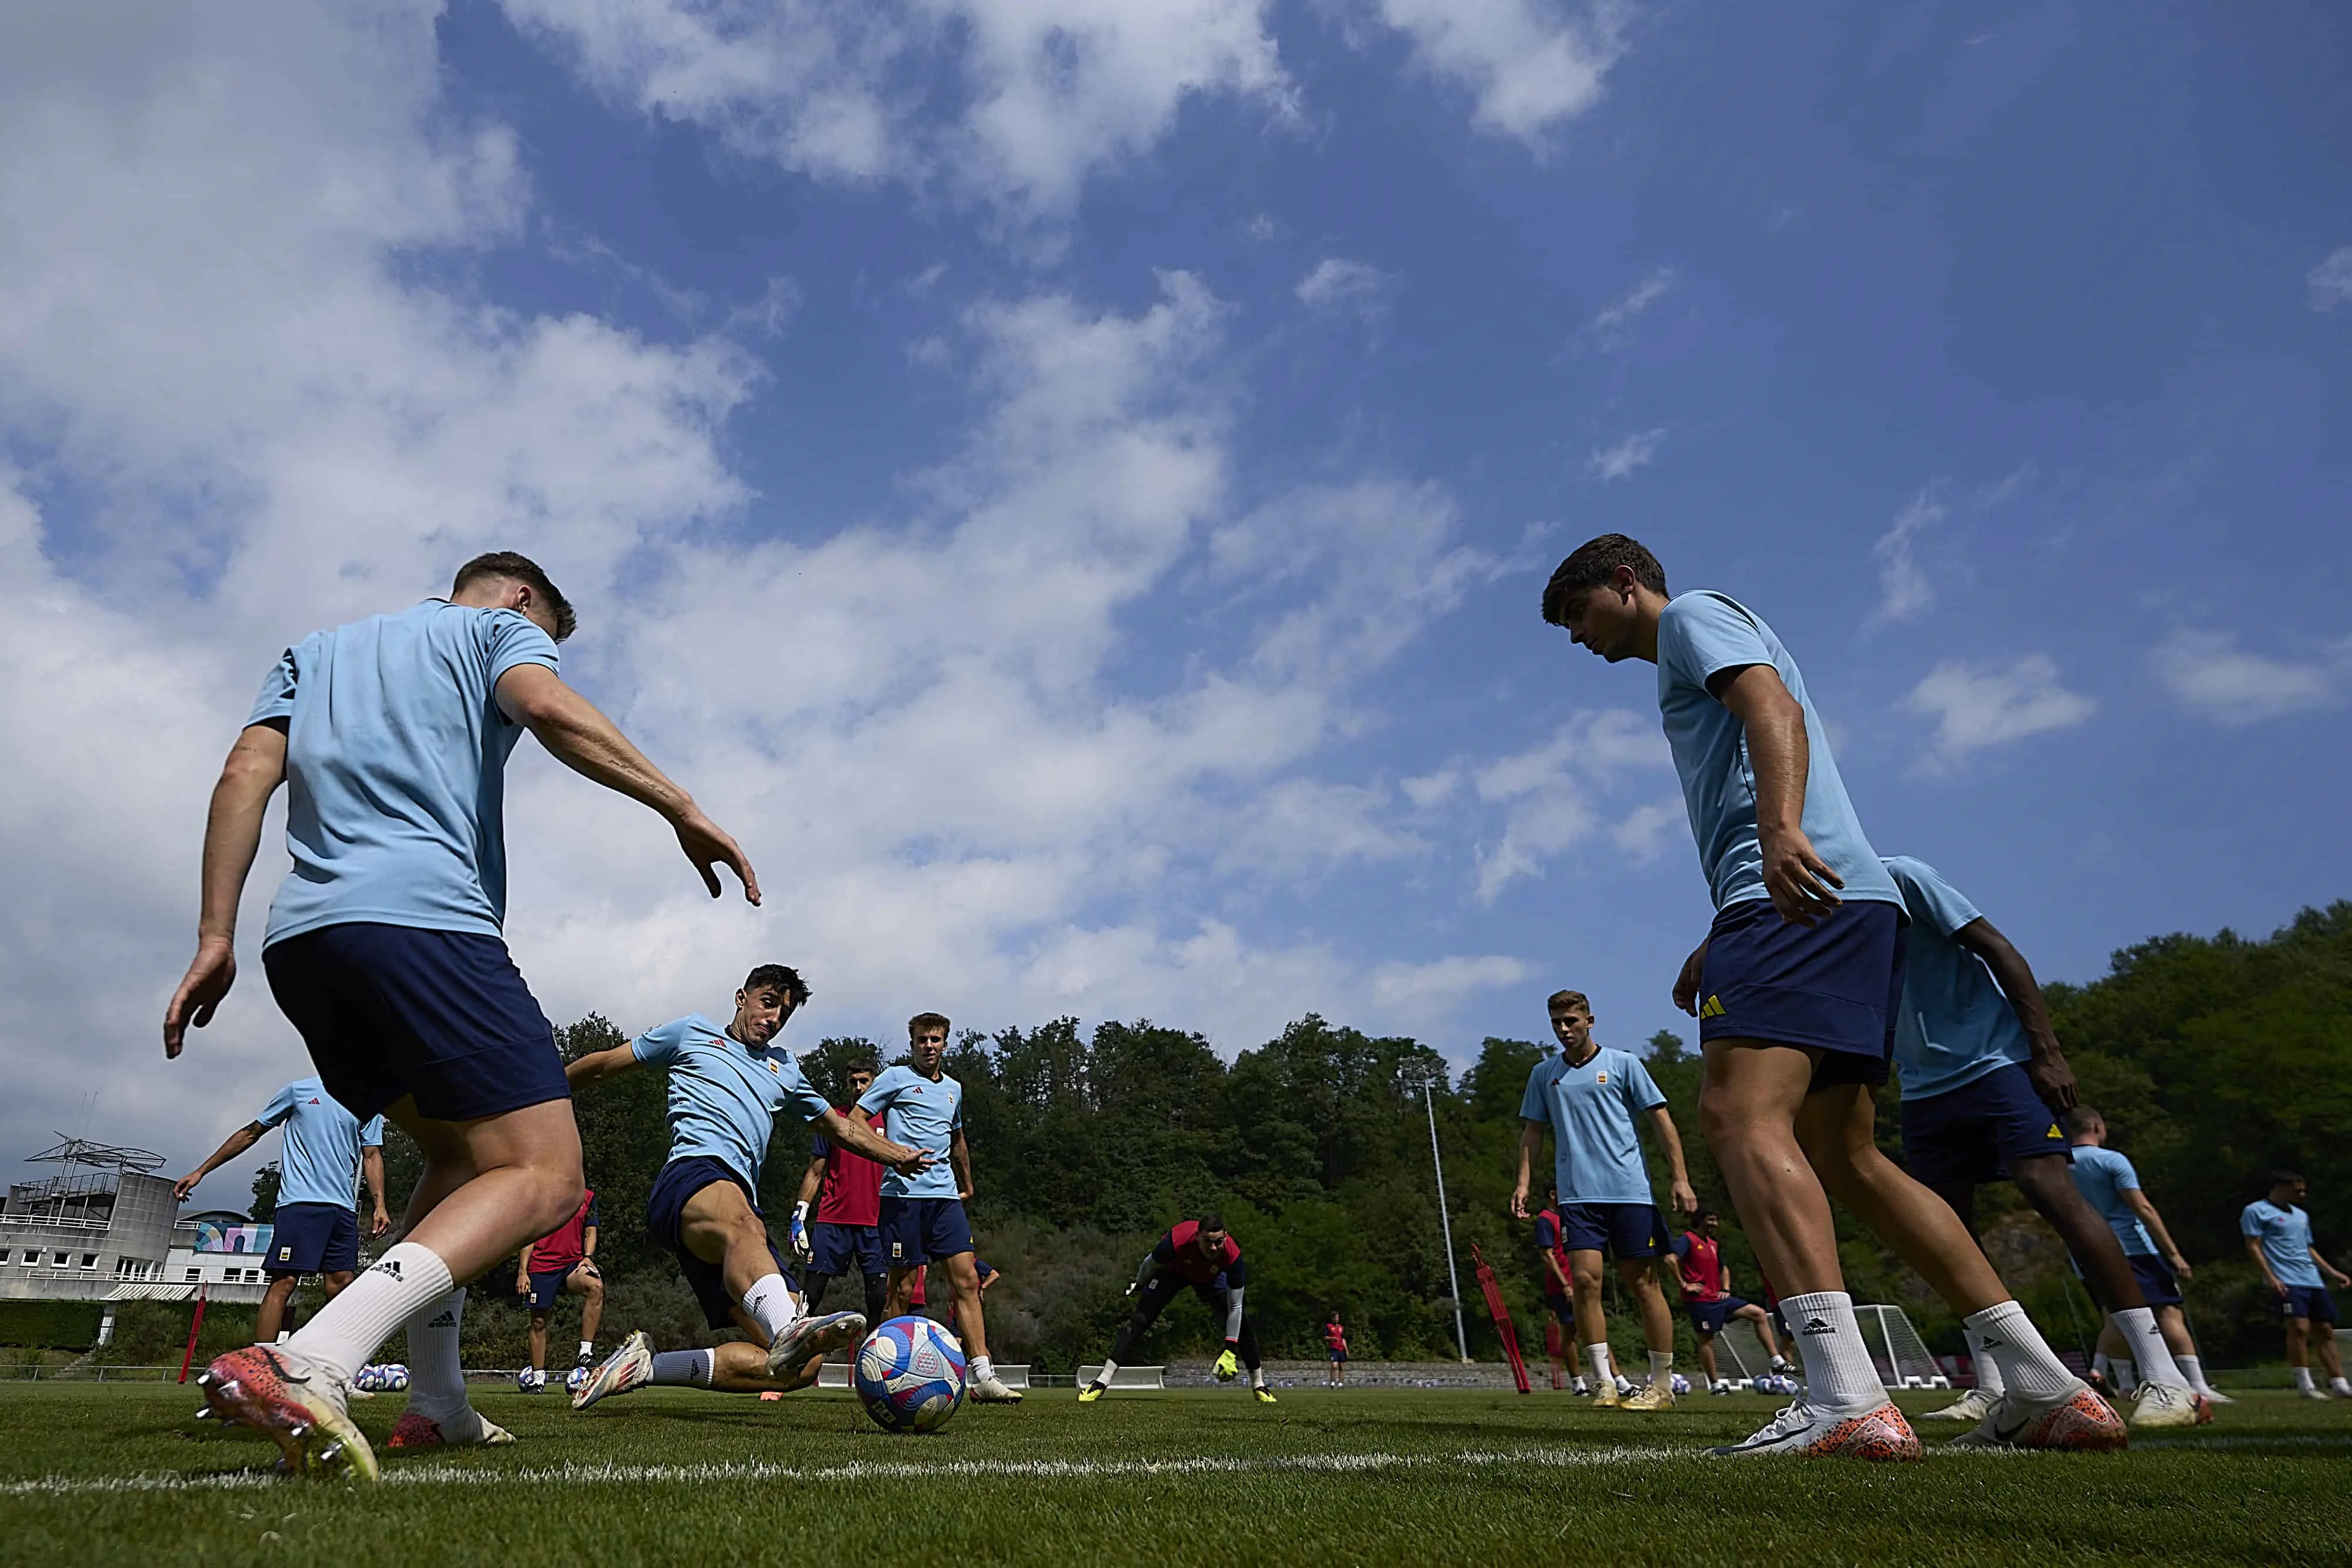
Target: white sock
x=437, y=1381
x=1662, y=1363
x=1988, y=1374
x=2340, y=1385
x=1104, y=1376
x=1598, y=1355
x=339, y=1340
x=1838, y=1372
x=1579, y=1386
x=587, y=1349
x=2120, y=1374
x=2303, y=1378
x=771, y=1304
x=2028, y=1366
x=2148, y=1347
x=1257, y=1378
x=983, y=1369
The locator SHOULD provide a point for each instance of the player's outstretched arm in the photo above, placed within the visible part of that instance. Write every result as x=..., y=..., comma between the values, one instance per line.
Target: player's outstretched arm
x=1802, y=885
x=853, y=1134
x=2053, y=1080
x=1679, y=1193
x=591, y=745
x=598, y=1065
x=236, y=1144
x=254, y=769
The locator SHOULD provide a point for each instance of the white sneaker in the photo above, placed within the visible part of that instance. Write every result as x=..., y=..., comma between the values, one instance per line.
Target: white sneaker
x=2168, y=1405
x=1972, y=1407
x=992, y=1390
x=811, y=1337
x=2314, y=1393
x=630, y=1366
x=1804, y=1430
x=2075, y=1421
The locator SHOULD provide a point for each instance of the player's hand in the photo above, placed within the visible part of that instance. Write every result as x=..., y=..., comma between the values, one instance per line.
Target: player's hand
x=708, y=846
x=1518, y=1203
x=1227, y=1367
x=210, y=975
x=588, y=1267
x=913, y=1162
x=1687, y=983
x=1685, y=1201
x=186, y=1185
x=380, y=1222
x=2278, y=1289
x=523, y=1284
x=801, y=1248
x=2052, y=1080
x=2179, y=1266
x=1802, y=885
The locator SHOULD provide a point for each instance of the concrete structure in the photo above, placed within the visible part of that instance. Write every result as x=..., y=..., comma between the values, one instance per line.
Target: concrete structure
x=106, y=1228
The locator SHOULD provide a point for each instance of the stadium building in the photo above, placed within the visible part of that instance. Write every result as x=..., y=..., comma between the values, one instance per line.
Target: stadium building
x=105, y=1228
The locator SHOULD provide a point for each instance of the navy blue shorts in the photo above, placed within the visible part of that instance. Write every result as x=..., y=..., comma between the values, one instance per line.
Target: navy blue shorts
x=1971, y=1134
x=836, y=1250
x=2311, y=1302
x=1708, y=1318
x=390, y=1010
x=547, y=1287
x=665, y=1226
x=313, y=1239
x=918, y=1230
x=1621, y=1229
x=1837, y=986
x=1563, y=1307
x=2156, y=1285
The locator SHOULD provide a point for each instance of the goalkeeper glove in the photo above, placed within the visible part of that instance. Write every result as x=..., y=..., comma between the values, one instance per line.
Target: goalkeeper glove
x=1227, y=1367
x=800, y=1232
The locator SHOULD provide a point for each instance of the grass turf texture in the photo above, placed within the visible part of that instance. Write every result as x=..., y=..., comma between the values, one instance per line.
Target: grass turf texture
x=122, y=1474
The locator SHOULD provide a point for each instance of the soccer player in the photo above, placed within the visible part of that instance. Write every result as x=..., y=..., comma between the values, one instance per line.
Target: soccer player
x=1795, y=989
x=316, y=1227
x=1335, y=1342
x=847, y=1189
x=1705, y=1281
x=2278, y=1238
x=561, y=1262
x=383, y=951
x=923, y=1215
x=728, y=1088
x=1984, y=1082
x=1591, y=1097
x=1199, y=1254
x=2110, y=1185
x=1558, y=1295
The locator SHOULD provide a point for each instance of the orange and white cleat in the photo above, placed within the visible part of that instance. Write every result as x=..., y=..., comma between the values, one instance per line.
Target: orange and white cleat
x=2075, y=1422
x=1806, y=1431
x=414, y=1430
x=271, y=1390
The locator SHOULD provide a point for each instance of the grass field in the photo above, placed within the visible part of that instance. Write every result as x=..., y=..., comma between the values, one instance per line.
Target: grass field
x=122, y=1474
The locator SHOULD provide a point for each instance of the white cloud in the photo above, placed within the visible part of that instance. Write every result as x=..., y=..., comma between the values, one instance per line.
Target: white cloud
x=1613, y=328
x=1351, y=288
x=2216, y=679
x=1527, y=65
x=1552, y=794
x=1620, y=461
x=2330, y=283
x=1445, y=980
x=1906, y=549
x=1977, y=708
x=1646, y=830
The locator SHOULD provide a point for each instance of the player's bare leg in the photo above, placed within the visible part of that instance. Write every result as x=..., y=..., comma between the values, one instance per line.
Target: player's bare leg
x=1584, y=1282
x=1641, y=1277
x=718, y=1226
x=270, y=1318
x=963, y=1277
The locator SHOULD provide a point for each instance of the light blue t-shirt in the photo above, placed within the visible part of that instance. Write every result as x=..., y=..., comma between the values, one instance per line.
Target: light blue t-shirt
x=396, y=768
x=922, y=1114
x=2103, y=1177
x=1700, y=633
x=1956, y=1026
x=320, y=1163
x=2285, y=1236
x=1591, y=1108
x=724, y=1095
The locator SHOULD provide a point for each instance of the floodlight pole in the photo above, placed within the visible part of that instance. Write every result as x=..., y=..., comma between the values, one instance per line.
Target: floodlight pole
x=1446, y=1221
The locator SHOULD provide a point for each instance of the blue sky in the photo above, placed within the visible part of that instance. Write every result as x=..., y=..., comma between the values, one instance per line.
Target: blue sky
x=1069, y=483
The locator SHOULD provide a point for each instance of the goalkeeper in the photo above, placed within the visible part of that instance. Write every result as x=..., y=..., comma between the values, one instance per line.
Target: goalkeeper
x=1200, y=1254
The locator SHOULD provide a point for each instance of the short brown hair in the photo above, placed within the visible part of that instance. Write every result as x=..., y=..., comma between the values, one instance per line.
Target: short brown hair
x=922, y=1021
x=1593, y=564
x=1561, y=1000
x=523, y=569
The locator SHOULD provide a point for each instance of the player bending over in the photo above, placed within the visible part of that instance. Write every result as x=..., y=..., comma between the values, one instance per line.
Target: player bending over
x=383, y=950
x=2278, y=1238
x=1983, y=1084
x=1198, y=1254
x=923, y=1219
x=1591, y=1097
x=845, y=1231
x=1705, y=1281
x=561, y=1263
x=2110, y=1185
x=316, y=1226
x=1795, y=988
x=728, y=1089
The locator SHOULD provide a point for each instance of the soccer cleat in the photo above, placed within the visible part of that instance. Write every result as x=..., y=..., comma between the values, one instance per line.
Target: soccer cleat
x=1800, y=1429
x=990, y=1390
x=1604, y=1397
x=2214, y=1397
x=2312, y=1393
x=1092, y=1391
x=415, y=1429
x=810, y=1337
x=1972, y=1407
x=630, y=1366
x=1262, y=1394
x=2168, y=1404
x=1654, y=1395
x=2077, y=1422
x=264, y=1388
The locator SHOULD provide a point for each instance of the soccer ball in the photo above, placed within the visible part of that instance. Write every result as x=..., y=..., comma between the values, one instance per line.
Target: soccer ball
x=381, y=1378
x=909, y=1375
x=527, y=1381
x=576, y=1379
x=1679, y=1383
x=395, y=1378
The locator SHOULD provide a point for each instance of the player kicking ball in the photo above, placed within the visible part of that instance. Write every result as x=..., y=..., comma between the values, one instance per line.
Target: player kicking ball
x=728, y=1089
x=1795, y=989
x=1200, y=1256
x=1590, y=1097
x=1705, y=1281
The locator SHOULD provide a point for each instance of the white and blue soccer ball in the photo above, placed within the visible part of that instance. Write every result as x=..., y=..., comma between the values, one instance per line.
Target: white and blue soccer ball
x=1678, y=1382
x=577, y=1379
x=381, y=1378
x=529, y=1380
x=910, y=1374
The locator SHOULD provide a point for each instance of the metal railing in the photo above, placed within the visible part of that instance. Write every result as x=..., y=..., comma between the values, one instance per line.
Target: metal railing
x=71, y=1372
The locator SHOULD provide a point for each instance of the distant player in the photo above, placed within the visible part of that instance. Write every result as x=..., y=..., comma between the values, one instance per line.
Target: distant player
x=1559, y=1293
x=1705, y=1281
x=728, y=1089
x=2110, y=1185
x=561, y=1263
x=316, y=1227
x=922, y=1213
x=383, y=950
x=1984, y=1082
x=2278, y=1238
x=1198, y=1255
x=1794, y=989
x=1335, y=1345
x=1591, y=1099
x=845, y=1232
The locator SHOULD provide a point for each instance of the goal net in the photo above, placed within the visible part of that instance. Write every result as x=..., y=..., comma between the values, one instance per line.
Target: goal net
x=1896, y=1350
x=1739, y=1354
